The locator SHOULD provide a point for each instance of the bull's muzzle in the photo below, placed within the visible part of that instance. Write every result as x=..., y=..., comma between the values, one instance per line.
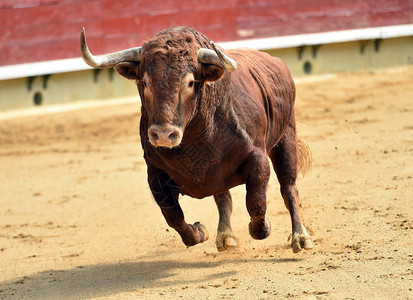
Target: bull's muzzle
x=167, y=136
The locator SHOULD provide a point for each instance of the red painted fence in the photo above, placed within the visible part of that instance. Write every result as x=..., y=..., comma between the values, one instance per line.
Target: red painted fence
x=39, y=30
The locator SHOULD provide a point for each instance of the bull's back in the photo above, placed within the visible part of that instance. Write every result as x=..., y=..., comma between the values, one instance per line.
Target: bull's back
x=266, y=91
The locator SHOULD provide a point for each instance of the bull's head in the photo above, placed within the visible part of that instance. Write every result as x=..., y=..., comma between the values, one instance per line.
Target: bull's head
x=168, y=71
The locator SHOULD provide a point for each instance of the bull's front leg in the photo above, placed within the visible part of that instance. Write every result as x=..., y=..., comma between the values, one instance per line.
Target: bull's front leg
x=257, y=174
x=166, y=195
x=225, y=237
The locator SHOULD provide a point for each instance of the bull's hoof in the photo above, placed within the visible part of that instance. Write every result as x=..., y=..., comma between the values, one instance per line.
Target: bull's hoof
x=194, y=234
x=260, y=229
x=225, y=240
x=301, y=241
x=203, y=231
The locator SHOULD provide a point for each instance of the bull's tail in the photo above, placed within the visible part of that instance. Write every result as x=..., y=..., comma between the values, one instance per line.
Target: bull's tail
x=305, y=158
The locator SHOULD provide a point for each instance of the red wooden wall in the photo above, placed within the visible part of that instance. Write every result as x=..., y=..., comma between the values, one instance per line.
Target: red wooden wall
x=39, y=30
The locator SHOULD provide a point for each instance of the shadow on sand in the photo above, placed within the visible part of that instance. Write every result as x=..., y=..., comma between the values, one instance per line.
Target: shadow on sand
x=108, y=279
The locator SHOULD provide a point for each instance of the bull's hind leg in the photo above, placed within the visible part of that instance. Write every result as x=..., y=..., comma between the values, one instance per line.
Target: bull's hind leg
x=225, y=237
x=166, y=195
x=284, y=159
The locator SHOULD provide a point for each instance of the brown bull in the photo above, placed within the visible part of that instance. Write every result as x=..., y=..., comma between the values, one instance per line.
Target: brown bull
x=209, y=123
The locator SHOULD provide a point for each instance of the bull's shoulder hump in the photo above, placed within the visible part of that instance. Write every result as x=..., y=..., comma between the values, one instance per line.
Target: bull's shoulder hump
x=262, y=64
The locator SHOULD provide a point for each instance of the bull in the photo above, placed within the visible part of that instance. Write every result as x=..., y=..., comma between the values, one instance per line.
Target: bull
x=209, y=122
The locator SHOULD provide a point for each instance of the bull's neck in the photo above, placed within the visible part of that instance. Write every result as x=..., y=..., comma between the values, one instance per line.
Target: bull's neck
x=214, y=102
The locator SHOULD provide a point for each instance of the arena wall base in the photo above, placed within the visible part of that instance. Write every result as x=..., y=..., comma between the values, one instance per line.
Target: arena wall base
x=348, y=56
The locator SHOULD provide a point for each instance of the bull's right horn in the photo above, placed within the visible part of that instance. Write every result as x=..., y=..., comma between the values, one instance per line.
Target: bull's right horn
x=108, y=60
x=216, y=57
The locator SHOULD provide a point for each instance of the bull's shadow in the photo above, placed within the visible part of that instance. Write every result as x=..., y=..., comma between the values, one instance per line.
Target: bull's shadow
x=108, y=279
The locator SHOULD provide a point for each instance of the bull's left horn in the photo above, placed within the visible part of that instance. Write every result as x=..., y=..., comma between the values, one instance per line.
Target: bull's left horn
x=108, y=60
x=216, y=57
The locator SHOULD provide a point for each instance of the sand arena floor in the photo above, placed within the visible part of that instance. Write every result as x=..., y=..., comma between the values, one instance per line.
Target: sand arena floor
x=77, y=220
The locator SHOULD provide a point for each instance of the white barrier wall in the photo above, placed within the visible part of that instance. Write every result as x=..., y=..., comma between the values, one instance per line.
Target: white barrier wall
x=72, y=80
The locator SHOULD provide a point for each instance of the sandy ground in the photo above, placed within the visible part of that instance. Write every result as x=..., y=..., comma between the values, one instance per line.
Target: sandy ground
x=77, y=220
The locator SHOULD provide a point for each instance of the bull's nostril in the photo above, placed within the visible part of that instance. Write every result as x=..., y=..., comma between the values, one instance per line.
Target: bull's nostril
x=173, y=136
x=154, y=136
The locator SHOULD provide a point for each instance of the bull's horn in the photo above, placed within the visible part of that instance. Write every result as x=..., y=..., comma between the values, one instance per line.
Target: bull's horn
x=108, y=60
x=216, y=57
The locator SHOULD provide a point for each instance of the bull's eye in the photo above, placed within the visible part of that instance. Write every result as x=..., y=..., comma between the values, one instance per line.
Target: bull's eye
x=191, y=84
x=144, y=84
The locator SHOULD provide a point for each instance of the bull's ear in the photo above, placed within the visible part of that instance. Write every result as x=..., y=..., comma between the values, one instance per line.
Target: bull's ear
x=211, y=72
x=128, y=70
